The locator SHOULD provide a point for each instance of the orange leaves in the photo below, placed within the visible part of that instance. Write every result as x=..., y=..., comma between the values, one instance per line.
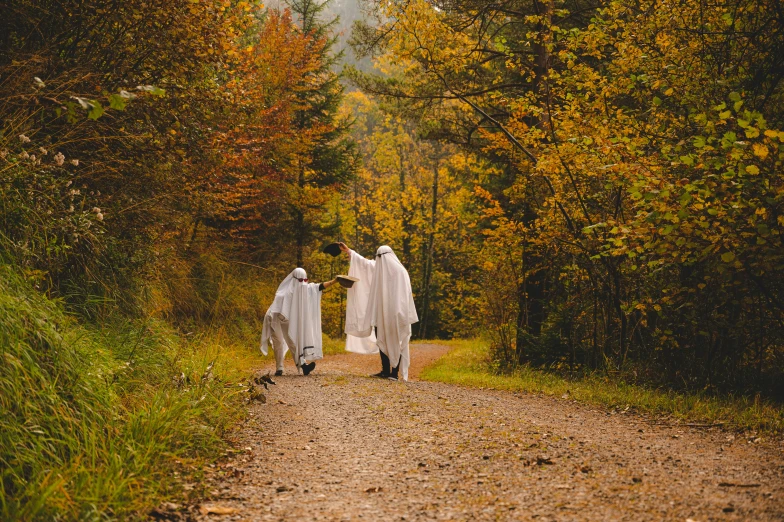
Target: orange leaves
x=255, y=138
x=655, y=169
x=760, y=150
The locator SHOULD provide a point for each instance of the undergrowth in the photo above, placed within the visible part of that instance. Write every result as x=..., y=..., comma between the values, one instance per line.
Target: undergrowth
x=468, y=364
x=95, y=420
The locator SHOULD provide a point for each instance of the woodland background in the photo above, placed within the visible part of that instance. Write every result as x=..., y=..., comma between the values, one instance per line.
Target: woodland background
x=595, y=187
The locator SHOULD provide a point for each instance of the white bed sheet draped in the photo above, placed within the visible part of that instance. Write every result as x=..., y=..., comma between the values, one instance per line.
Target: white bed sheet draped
x=381, y=298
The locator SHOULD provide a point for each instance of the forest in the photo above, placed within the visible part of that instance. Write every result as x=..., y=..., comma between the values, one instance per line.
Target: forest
x=593, y=188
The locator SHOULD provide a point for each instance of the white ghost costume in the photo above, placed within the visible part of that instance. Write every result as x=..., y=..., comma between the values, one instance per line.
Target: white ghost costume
x=293, y=321
x=382, y=298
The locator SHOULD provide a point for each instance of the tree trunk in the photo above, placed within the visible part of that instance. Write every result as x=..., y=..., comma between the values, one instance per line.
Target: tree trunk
x=404, y=213
x=530, y=303
x=541, y=49
x=530, y=294
x=428, y=268
x=300, y=218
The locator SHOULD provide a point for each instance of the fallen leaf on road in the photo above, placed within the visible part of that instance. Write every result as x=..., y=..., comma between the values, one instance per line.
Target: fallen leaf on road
x=215, y=509
x=374, y=489
x=257, y=395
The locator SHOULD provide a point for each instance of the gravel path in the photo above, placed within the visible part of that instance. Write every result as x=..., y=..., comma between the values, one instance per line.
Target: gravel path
x=338, y=445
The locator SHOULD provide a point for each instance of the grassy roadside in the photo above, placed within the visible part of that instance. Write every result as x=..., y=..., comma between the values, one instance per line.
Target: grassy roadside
x=467, y=365
x=104, y=421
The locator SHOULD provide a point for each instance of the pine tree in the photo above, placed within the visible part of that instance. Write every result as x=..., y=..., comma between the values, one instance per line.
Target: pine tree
x=328, y=156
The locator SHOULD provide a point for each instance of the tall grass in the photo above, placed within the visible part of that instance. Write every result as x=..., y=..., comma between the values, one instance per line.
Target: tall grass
x=94, y=420
x=468, y=364
x=96, y=416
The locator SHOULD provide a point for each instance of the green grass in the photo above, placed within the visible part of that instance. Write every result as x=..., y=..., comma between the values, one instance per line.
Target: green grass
x=96, y=419
x=332, y=346
x=468, y=364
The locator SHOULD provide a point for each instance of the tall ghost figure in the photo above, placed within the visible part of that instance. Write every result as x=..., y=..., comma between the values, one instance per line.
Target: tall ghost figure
x=381, y=302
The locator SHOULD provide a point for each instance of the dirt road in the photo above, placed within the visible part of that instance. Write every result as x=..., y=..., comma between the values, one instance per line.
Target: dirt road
x=338, y=445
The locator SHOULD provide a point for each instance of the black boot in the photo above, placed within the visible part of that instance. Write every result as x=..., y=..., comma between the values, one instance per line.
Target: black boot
x=384, y=373
x=307, y=368
x=393, y=374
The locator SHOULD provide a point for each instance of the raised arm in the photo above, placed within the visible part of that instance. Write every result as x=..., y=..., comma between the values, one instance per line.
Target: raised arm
x=354, y=257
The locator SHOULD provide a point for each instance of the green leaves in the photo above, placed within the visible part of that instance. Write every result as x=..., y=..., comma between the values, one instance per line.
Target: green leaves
x=738, y=102
x=117, y=102
x=93, y=107
x=687, y=160
x=96, y=110
x=155, y=91
x=594, y=226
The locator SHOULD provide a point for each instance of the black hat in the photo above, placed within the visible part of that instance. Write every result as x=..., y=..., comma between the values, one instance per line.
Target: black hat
x=332, y=249
x=346, y=281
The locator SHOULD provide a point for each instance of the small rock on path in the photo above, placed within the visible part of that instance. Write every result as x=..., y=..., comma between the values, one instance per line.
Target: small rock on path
x=339, y=445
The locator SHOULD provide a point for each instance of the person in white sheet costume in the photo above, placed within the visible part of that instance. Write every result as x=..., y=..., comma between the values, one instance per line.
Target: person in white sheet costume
x=381, y=302
x=293, y=322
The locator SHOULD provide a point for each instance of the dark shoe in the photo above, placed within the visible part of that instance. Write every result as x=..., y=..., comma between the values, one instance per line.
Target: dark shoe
x=385, y=366
x=278, y=373
x=393, y=374
x=392, y=378
x=382, y=374
x=307, y=368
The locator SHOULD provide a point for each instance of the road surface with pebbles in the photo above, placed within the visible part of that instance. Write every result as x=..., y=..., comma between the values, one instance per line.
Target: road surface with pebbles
x=339, y=445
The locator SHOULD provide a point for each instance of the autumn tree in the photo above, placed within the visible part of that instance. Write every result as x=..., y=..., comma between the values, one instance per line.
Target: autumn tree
x=467, y=67
x=237, y=135
x=325, y=156
x=606, y=122
x=70, y=69
x=412, y=195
